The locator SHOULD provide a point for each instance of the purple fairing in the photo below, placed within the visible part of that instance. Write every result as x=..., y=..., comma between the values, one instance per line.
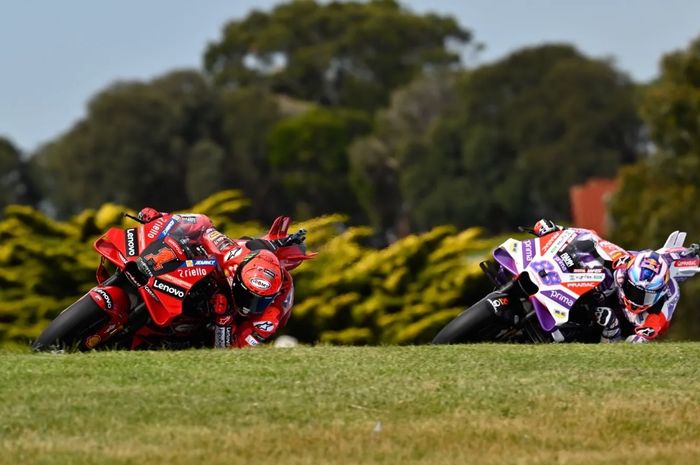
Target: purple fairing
x=546, y=320
x=505, y=260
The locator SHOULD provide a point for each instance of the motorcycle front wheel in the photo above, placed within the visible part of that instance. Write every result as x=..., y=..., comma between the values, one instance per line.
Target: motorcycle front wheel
x=478, y=323
x=69, y=329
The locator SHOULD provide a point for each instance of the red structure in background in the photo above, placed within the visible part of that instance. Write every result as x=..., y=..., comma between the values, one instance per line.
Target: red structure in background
x=589, y=204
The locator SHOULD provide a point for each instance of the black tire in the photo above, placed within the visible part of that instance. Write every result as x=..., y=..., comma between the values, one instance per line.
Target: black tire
x=478, y=323
x=68, y=330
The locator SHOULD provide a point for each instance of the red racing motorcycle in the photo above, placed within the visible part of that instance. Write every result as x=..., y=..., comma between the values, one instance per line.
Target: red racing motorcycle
x=158, y=296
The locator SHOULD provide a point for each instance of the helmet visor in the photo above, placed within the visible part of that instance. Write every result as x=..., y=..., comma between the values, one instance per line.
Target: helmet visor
x=247, y=302
x=638, y=298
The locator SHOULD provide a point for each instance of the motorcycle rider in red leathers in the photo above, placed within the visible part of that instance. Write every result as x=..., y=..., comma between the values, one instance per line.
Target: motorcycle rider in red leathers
x=640, y=289
x=257, y=271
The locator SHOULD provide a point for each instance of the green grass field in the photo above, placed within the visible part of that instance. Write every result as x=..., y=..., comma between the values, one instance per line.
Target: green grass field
x=479, y=404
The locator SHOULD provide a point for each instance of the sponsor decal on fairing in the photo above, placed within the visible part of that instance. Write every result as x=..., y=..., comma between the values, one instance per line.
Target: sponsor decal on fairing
x=186, y=263
x=192, y=272
x=583, y=277
x=151, y=293
x=568, y=261
x=132, y=244
x=169, y=288
x=580, y=284
x=559, y=241
x=560, y=262
x=686, y=262
x=251, y=340
x=105, y=297
x=563, y=299
x=167, y=228
x=528, y=251
x=155, y=229
x=496, y=303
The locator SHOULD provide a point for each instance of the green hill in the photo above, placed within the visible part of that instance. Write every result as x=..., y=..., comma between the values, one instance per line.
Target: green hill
x=482, y=404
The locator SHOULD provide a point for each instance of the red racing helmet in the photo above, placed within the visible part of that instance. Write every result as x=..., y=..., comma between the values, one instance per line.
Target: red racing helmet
x=256, y=282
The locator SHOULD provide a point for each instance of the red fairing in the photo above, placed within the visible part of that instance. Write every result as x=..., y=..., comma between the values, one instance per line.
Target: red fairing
x=111, y=299
x=114, y=301
x=112, y=246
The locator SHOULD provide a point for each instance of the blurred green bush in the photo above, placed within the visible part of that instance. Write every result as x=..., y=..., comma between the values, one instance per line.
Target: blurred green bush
x=349, y=294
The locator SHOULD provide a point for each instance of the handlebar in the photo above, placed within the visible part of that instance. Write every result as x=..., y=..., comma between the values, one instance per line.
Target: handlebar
x=692, y=251
x=296, y=238
x=138, y=220
x=527, y=230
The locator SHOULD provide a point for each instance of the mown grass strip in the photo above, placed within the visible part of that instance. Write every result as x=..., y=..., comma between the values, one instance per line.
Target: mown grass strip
x=485, y=404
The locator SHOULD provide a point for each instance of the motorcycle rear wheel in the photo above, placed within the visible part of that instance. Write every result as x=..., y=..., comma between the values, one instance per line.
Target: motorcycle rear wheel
x=478, y=323
x=69, y=329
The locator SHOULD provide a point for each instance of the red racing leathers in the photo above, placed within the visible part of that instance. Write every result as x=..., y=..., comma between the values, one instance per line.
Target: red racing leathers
x=231, y=328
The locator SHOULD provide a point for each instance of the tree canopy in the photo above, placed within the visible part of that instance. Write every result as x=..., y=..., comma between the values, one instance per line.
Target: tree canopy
x=661, y=194
x=15, y=180
x=505, y=142
x=134, y=146
x=336, y=53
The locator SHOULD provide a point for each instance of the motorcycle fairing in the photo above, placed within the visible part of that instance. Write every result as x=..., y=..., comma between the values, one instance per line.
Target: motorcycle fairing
x=557, y=288
x=169, y=278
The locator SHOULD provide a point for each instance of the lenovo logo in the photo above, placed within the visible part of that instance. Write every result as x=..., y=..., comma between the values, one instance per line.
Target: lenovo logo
x=105, y=298
x=168, y=288
x=132, y=248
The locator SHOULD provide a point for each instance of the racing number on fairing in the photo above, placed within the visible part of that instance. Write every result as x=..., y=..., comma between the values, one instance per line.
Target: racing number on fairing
x=546, y=271
x=159, y=259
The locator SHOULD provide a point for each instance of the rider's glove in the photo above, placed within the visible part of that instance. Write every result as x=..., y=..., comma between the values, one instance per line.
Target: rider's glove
x=603, y=316
x=297, y=238
x=544, y=226
x=606, y=318
x=149, y=214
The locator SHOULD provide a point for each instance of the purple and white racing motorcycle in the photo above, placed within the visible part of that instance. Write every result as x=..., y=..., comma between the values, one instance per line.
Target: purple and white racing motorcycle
x=546, y=288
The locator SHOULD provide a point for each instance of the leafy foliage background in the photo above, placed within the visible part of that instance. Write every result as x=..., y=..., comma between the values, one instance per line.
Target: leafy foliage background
x=349, y=294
